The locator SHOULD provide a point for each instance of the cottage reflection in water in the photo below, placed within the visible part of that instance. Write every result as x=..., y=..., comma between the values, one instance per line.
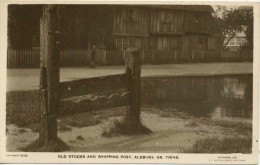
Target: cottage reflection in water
x=218, y=96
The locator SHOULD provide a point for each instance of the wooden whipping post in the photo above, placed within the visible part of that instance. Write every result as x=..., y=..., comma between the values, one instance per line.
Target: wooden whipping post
x=49, y=74
x=133, y=71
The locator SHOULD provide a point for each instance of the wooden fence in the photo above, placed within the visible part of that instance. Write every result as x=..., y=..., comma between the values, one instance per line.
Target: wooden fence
x=68, y=57
x=113, y=57
x=23, y=58
x=204, y=56
x=74, y=57
x=30, y=58
x=243, y=55
x=178, y=56
x=80, y=57
x=189, y=56
x=159, y=57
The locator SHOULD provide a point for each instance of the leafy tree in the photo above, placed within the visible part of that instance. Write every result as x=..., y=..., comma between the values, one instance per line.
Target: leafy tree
x=246, y=16
x=234, y=20
x=23, y=23
x=80, y=25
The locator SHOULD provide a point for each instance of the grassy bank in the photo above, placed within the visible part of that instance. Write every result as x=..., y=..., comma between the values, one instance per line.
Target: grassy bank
x=22, y=109
x=226, y=145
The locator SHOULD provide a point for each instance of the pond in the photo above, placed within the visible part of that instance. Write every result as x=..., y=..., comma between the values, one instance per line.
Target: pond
x=228, y=96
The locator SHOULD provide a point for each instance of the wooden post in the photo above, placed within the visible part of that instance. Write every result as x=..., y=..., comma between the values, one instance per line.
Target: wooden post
x=133, y=70
x=49, y=76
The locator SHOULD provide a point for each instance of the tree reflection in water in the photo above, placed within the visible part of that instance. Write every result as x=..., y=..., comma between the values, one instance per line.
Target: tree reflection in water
x=222, y=96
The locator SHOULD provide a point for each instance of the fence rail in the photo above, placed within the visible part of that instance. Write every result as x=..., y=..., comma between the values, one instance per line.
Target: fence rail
x=72, y=57
x=29, y=58
x=23, y=58
x=178, y=56
x=159, y=57
x=243, y=55
x=81, y=57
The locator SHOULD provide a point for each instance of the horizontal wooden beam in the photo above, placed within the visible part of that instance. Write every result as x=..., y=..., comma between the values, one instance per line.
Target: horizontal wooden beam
x=86, y=103
x=159, y=34
x=92, y=85
x=130, y=35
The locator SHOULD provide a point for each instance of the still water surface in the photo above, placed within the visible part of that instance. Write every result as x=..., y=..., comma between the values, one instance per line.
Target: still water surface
x=206, y=96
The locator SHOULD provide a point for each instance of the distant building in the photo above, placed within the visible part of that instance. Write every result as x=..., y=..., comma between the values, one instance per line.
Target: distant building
x=239, y=40
x=184, y=31
x=173, y=32
x=236, y=43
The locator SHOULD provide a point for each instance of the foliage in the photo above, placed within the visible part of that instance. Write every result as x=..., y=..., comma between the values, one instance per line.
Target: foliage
x=81, y=25
x=87, y=24
x=23, y=23
x=234, y=20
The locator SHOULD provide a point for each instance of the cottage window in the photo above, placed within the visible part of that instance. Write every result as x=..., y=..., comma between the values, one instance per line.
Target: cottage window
x=129, y=14
x=197, y=16
x=241, y=41
x=125, y=43
x=159, y=44
x=203, y=43
x=232, y=41
x=244, y=42
x=122, y=43
x=165, y=44
x=165, y=16
x=35, y=42
x=174, y=43
x=119, y=43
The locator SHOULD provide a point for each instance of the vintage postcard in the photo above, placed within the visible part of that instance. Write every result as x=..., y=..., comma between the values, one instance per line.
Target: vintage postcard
x=129, y=82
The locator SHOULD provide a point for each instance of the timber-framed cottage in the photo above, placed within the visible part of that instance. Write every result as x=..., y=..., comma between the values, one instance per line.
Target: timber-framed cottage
x=166, y=34
x=163, y=33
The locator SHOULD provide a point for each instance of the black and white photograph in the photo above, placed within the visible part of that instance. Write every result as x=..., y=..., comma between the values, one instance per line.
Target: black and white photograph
x=131, y=78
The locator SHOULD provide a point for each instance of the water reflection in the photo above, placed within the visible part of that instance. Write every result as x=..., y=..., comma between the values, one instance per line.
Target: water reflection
x=215, y=96
x=233, y=88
